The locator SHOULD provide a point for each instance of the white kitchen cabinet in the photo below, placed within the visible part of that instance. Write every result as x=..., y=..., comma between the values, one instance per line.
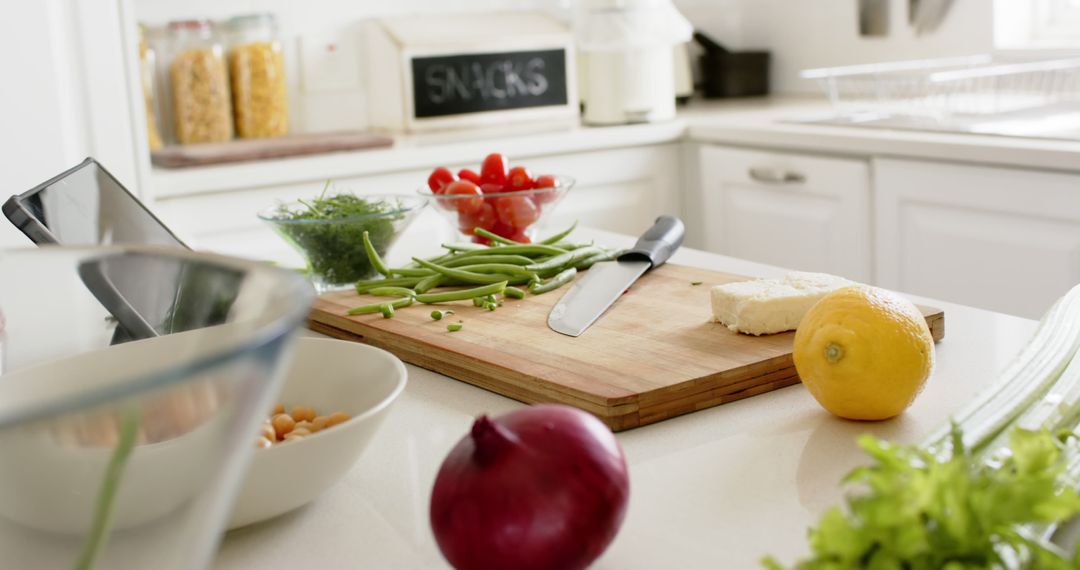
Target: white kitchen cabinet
x=801, y=212
x=620, y=190
x=996, y=238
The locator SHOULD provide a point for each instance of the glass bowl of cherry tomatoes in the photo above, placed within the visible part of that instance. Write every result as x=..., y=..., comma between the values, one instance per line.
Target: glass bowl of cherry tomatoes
x=510, y=202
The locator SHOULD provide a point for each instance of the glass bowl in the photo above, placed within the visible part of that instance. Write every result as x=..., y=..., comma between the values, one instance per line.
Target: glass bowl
x=333, y=247
x=513, y=215
x=131, y=382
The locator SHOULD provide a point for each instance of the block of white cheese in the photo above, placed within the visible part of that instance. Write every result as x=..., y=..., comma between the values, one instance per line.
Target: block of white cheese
x=766, y=306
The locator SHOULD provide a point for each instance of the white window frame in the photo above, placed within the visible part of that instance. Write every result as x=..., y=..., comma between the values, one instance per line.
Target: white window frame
x=1037, y=24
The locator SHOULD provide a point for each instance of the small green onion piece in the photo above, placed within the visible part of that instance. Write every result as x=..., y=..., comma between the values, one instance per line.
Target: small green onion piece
x=453, y=327
x=373, y=256
x=491, y=306
x=392, y=292
x=564, y=277
x=377, y=307
x=494, y=237
x=478, y=301
x=514, y=293
x=462, y=294
x=438, y=315
x=387, y=310
x=560, y=236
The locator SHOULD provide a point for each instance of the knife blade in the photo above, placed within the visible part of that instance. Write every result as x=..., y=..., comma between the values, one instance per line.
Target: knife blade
x=591, y=295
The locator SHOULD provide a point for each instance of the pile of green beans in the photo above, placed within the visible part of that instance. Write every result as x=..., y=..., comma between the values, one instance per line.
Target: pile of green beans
x=486, y=271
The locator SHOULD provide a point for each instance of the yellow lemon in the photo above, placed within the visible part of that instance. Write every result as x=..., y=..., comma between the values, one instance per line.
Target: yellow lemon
x=864, y=353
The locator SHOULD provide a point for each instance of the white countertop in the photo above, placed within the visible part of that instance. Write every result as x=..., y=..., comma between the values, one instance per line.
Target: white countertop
x=719, y=488
x=757, y=122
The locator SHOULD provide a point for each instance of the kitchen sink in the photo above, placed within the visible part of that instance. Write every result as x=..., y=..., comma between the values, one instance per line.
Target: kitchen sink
x=1059, y=122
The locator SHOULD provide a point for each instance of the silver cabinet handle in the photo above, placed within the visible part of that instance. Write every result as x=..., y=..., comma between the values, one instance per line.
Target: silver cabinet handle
x=776, y=176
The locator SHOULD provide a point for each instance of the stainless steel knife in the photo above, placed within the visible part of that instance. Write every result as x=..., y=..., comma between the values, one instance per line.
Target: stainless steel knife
x=592, y=294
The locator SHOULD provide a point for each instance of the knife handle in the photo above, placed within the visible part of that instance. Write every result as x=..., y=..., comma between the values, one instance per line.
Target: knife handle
x=658, y=243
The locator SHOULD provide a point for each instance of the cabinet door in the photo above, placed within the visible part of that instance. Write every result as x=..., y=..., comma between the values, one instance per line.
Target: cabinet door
x=793, y=211
x=1000, y=239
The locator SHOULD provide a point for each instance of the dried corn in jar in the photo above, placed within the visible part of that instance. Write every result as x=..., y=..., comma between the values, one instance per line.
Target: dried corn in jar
x=257, y=72
x=147, y=61
x=199, y=84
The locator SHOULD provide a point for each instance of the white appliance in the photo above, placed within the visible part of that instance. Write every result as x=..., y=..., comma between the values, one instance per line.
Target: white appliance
x=626, y=64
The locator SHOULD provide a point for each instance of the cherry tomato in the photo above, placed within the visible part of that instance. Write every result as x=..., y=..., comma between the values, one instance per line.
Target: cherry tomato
x=493, y=171
x=519, y=236
x=503, y=229
x=470, y=175
x=465, y=188
x=481, y=240
x=493, y=188
x=482, y=218
x=518, y=212
x=520, y=179
x=545, y=181
x=439, y=179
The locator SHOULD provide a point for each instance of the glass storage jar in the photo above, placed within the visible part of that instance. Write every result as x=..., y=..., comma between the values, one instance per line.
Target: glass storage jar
x=199, y=83
x=147, y=59
x=257, y=71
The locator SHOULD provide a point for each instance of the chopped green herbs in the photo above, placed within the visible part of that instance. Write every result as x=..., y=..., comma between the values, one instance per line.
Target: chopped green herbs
x=329, y=230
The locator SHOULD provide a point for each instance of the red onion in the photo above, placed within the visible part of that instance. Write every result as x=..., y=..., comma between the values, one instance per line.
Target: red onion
x=543, y=487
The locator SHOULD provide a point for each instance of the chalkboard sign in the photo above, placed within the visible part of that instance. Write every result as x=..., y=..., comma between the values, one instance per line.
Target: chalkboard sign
x=471, y=83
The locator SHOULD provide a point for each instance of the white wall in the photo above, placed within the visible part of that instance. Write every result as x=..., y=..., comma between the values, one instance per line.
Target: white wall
x=42, y=121
x=805, y=34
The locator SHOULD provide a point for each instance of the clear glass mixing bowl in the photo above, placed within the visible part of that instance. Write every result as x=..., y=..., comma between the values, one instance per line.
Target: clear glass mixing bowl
x=131, y=380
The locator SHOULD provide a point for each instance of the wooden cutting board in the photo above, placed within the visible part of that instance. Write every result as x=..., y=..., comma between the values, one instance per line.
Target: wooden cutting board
x=654, y=355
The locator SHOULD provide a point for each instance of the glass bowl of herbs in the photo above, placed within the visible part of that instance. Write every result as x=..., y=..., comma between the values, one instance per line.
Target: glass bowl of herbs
x=328, y=232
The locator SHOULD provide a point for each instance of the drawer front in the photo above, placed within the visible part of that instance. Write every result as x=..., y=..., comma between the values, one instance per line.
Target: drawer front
x=794, y=211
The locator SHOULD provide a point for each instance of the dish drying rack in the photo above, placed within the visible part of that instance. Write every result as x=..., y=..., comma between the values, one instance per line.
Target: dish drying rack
x=942, y=89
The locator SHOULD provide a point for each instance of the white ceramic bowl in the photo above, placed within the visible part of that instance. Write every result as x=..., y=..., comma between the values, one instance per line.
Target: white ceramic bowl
x=329, y=375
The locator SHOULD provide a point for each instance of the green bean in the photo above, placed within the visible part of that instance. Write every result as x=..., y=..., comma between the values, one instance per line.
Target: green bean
x=494, y=237
x=387, y=310
x=523, y=249
x=411, y=272
x=465, y=247
x=373, y=256
x=559, y=236
x=377, y=307
x=509, y=259
x=453, y=327
x=594, y=259
x=429, y=283
x=438, y=315
x=514, y=293
x=466, y=276
x=561, y=261
x=478, y=302
x=365, y=286
x=496, y=268
x=462, y=294
x=564, y=277
x=392, y=292
x=571, y=246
